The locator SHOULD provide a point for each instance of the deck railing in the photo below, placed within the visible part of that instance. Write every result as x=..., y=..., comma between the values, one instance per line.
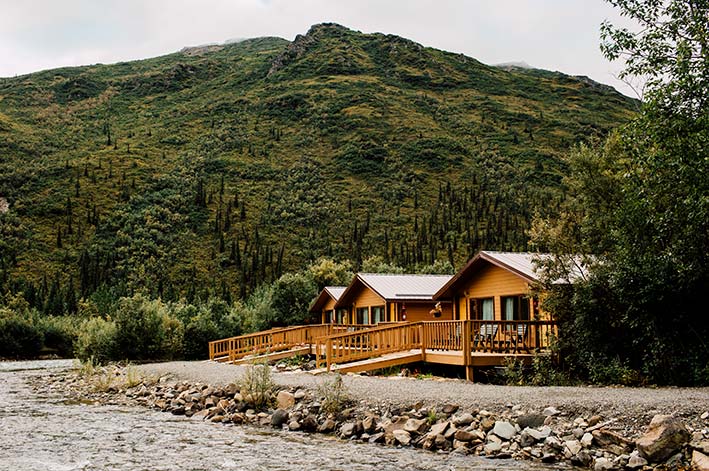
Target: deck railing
x=363, y=344
x=343, y=343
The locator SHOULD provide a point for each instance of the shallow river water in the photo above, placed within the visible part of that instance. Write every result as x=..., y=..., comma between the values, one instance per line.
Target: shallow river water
x=47, y=432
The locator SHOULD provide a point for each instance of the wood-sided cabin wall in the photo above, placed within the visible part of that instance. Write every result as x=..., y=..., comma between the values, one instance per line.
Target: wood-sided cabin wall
x=420, y=311
x=365, y=298
x=497, y=283
x=329, y=306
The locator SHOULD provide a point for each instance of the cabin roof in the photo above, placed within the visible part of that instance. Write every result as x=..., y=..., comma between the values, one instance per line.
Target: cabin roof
x=328, y=292
x=394, y=287
x=522, y=264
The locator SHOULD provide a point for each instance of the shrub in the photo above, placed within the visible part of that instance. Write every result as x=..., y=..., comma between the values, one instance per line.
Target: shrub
x=18, y=336
x=255, y=385
x=334, y=395
x=292, y=294
x=59, y=334
x=96, y=342
x=146, y=330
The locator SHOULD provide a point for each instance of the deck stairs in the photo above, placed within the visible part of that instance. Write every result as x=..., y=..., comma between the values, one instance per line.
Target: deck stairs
x=269, y=357
x=372, y=364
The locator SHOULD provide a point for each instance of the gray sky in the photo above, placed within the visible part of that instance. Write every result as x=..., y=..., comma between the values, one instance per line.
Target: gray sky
x=550, y=34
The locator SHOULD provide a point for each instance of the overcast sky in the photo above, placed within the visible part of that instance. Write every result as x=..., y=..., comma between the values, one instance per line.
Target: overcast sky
x=550, y=34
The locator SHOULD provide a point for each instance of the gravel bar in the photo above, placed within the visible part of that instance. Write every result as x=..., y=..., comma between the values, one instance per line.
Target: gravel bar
x=636, y=405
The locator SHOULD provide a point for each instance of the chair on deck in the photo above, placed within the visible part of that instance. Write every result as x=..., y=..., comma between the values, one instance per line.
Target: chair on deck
x=518, y=338
x=485, y=336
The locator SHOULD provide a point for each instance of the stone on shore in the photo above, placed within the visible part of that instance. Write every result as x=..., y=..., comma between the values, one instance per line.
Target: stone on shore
x=530, y=420
x=285, y=400
x=700, y=461
x=416, y=426
x=279, y=417
x=665, y=435
x=463, y=419
x=504, y=430
x=402, y=437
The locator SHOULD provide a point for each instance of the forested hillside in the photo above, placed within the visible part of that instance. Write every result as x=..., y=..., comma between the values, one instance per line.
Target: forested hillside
x=209, y=171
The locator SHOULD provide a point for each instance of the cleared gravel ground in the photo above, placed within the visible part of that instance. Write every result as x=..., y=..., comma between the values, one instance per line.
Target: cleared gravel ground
x=632, y=407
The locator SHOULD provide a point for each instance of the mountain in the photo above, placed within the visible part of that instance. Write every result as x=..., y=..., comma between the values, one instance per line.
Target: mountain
x=222, y=166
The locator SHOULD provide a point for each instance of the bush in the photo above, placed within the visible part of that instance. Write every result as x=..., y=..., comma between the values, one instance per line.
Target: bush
x=96, y=341
x=59, y=334
x=334, y=395
x=292, y=294
x=255, y=385
x=146, y=330
x=19, y=338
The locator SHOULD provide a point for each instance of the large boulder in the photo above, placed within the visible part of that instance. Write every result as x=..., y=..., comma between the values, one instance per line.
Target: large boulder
x=504, y=430
x=665, y=435
x=416, y=426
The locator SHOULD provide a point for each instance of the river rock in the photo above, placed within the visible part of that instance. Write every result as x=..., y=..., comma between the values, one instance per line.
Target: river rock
x=571, y=448
x=551, y=411
x=376, y=437
x=700, y=445
x=700, y=461
x=612, y=441
x=293, y=425
x=665, y=435
x=299, y=394
x=449, y=409
x=587, y=440
x=463, y=419
x=391, y=426
x=417, y=426
x=603, y=464
x=530, y=420
x=504, y=430
x=487, y=423
x=327, y=426
x=285, y=400
x=279, y=417
x=439, y=428
x=402, y=437
x=465, y=436
x=492, y=448
x=369, y=423
x=348, y=429
x=309, y=423
x=636, y=461
x=704, y=416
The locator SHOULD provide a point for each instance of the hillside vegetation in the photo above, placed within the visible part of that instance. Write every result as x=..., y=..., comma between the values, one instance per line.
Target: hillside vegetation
x=212, y=170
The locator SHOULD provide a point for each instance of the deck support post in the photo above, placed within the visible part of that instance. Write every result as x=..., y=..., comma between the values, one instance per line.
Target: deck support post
x=422, y=340
x=328, y=353
x=467, y=350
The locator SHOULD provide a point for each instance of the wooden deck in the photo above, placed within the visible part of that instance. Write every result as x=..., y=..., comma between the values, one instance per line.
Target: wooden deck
x=356, y=348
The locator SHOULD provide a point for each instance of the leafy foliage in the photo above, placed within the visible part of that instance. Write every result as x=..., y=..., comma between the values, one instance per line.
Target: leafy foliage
x=639, y=202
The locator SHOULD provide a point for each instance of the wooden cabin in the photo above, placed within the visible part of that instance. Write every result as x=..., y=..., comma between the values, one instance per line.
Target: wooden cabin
x=494, y=286
x=324, y=305
x=373, y=298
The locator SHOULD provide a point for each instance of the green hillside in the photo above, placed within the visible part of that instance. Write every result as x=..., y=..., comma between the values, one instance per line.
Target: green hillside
x=213, y=169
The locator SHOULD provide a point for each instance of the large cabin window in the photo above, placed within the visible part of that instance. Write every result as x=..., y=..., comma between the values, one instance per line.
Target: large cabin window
x=341, y=316
x=362, y=315
x=483, y=309
x=378, y=314
x=329, y=316
x=515, y=308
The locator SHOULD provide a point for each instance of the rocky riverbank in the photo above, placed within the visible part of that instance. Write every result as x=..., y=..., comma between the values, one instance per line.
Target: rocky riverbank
x=519, y=431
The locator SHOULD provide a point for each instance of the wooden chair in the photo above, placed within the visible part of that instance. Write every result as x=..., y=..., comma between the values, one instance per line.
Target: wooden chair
x=518, y=338
x=485, y=336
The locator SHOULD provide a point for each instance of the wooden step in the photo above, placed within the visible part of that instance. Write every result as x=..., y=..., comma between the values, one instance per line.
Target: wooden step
x=370, y=364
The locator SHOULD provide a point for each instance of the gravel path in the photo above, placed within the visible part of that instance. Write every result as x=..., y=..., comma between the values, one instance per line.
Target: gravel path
x=632, y=406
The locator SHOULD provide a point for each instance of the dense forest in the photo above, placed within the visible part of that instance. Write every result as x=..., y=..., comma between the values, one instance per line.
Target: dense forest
x=209, y=172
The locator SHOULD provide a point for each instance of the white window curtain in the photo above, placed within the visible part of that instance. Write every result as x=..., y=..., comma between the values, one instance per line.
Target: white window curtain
x=488, y=312
x=510, y=309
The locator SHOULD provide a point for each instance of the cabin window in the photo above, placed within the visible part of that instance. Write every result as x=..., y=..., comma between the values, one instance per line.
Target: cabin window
x=329, y=316
x=483, y=309
x=341, y=316
x=378, y=314
x=362, y=315
x=515, y=308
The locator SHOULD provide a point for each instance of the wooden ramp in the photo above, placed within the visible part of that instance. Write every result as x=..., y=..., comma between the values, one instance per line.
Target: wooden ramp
x=377, y=363
x=269, y=357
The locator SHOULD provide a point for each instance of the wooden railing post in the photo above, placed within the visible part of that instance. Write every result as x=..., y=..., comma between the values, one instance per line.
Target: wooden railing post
x=467, y=350
x=422, y=340
x=328, y=354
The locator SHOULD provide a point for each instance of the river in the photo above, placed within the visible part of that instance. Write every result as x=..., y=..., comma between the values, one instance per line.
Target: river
x=47, y=432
